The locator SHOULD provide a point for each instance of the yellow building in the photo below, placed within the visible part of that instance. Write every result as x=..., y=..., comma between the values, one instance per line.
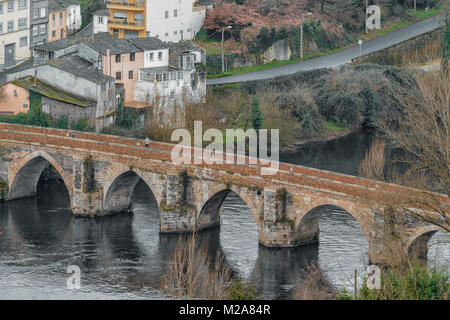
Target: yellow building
x=57, y=24
x=127, y=18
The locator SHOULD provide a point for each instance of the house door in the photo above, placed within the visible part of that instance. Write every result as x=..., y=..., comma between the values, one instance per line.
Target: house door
x=9, y=54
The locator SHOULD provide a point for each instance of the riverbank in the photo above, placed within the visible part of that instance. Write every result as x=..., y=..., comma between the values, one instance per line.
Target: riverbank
x=329, y=135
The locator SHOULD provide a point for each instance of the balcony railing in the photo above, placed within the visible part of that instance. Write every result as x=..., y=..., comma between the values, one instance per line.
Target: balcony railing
x=128, y=4
x=124, y=22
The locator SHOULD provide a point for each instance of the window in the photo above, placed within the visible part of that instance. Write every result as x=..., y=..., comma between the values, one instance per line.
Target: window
x=132, y=56
x=53, y=34
x=166, y=77
x=42, y=13
x=22, y=4
x=159, y=77
x=25, y=106
x=175, y=13
x=180, y=75
x=118, y=75
x=166, y=34
x=139, y=17
x=45, y=108
x=53, y=19
x=10, y=25
x=173, y=76
x=117, y=57
x=1, y=7
x=151, y=56
x=130, y=74
x=166, y=14
x=60, y=18
x=23, y=42
x=42, y=29
x=10, y=5
x=160, y=55
x=100, y=20
x=35, y=14
x=172, y=94
x=35, y=30
x=175, y=32
x=22, y=23
x=116, y=33
x=120, y=15
x=188, y=30
x=1, y=27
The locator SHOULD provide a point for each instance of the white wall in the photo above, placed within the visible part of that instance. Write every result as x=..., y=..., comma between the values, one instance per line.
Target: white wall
x=187, y=19
x=73, y=17
x=156, y=63
x=100, y=26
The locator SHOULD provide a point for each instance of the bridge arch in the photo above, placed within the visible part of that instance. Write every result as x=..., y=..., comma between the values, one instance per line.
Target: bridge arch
x=119, y=190
x=417, y=242
x=307, y=224
x=209, y=209
x=25, y=176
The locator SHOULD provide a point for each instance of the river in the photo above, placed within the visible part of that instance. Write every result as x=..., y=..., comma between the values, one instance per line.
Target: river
x=124, y=256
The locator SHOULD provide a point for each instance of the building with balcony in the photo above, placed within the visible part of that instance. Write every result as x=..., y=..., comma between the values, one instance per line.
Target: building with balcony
x=14, y=32
x=126, y=18
x=168, y=20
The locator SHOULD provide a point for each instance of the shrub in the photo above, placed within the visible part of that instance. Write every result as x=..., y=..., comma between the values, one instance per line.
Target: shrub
x=414, y=283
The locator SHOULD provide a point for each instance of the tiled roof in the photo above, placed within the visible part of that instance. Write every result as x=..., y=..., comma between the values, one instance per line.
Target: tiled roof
x=116, y=46
x=183, y=46
x=79, y=67
x=149, y=43
x=32, y=84
x=67, y=42
x=102, y=12
x=58, y=5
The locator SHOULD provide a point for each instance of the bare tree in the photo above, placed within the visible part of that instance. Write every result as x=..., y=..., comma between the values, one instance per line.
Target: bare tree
x=422, y=135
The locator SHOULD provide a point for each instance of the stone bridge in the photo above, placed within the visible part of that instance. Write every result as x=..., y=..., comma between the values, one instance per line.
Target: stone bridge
x=101, y=171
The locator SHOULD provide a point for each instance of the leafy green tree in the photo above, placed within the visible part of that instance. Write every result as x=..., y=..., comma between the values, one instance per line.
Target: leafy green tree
x=256, y=115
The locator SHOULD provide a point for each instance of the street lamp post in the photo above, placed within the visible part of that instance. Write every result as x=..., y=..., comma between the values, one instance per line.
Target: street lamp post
x=301, y=33
x=223, y=49
x=367, y=6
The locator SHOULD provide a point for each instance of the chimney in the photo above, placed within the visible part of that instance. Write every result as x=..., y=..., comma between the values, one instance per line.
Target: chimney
x=108, y=62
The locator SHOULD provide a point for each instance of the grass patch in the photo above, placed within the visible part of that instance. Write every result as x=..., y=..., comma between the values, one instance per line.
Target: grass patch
x=333, y=126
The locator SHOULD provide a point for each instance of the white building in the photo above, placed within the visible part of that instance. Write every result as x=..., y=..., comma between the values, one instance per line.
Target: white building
x=167, y=85
x=100, y=21
x=73, y=17
x=14, y=32
x=175, y=20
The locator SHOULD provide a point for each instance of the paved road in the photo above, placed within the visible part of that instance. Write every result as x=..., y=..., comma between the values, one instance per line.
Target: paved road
x=336, y=59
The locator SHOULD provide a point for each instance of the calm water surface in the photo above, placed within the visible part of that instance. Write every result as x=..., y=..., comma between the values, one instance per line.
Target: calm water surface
x=124, y=256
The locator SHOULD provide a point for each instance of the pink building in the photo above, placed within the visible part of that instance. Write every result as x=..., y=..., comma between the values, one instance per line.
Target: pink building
x=14, y=100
